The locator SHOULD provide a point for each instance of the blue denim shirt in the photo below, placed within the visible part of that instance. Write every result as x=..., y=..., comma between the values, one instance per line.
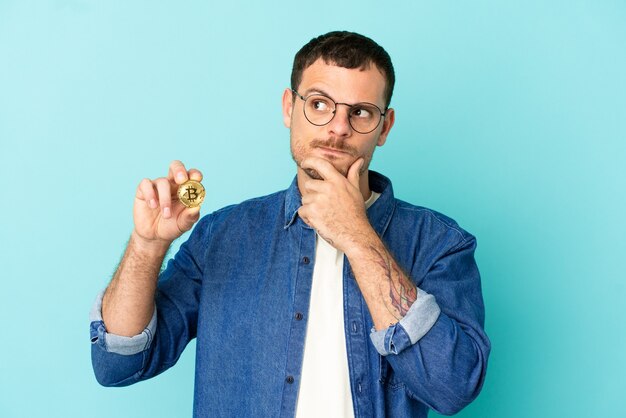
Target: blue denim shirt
x=241, y=285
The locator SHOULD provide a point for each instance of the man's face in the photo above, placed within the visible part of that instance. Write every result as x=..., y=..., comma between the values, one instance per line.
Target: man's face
x=336, y=141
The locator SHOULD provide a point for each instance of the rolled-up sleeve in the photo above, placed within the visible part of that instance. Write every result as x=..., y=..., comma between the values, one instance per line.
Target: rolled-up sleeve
x=419, y=319
x=118, y=344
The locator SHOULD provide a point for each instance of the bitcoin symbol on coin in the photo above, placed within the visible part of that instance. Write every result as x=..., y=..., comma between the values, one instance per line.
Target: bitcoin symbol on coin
x=191, y=193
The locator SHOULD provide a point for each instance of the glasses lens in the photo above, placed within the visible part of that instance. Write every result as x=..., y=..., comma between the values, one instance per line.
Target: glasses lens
x=319, y=109
x=364, y=117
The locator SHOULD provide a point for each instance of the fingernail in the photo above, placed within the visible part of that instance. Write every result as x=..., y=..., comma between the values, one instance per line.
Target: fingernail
x=153, y=204
x=166, y=212
x=180, y=177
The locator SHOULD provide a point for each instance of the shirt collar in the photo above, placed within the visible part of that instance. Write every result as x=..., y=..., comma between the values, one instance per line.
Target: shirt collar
x=379, y=213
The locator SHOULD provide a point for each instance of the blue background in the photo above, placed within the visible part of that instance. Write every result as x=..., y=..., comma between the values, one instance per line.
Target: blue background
x=510, y=119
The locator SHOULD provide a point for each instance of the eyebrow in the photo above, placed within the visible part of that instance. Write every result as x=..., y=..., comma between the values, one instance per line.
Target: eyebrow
x=316, y=90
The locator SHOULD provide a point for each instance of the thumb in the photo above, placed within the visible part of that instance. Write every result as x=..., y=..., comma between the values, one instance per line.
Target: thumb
x=354, y=172
x=188, y=217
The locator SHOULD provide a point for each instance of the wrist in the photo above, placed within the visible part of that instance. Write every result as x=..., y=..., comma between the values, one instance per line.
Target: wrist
x=362, y=243
x=149, y=247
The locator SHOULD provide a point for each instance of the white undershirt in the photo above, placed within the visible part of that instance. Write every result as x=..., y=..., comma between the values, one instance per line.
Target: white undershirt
x=325, y=384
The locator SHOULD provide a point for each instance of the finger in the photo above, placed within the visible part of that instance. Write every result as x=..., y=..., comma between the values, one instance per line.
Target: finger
x=307, y=199
x=303, y=214
x=323, y=167
x=187, y=218
x=146, y=192
x=177, y=172
x=195, y=174
x=316, y=186
x=354, y=172
x=163, y=187
x=314, y=200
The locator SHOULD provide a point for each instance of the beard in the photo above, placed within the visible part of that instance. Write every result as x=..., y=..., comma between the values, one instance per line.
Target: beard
x=299, y=152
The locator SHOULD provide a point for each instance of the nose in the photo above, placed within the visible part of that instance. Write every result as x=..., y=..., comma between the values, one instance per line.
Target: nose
x=340, y=124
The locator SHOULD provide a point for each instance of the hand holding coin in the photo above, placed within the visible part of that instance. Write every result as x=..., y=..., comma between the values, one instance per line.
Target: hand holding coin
x=167, y=207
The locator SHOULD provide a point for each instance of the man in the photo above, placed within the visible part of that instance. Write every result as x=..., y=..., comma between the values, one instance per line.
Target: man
x=329, y=299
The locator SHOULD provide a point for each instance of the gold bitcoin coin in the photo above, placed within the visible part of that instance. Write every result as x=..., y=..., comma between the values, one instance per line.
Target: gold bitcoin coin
x=191, y=193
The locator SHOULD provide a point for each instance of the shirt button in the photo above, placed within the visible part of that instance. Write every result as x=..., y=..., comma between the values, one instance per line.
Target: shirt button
x=299, y=316
x=289, y=379
x=306, y=260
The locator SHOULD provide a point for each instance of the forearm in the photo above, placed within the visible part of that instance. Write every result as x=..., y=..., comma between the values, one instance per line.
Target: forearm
x=128, y=304
x=386, y=289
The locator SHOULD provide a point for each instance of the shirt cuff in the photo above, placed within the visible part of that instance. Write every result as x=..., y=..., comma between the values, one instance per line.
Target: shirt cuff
x=419, y=319
x=117, y=343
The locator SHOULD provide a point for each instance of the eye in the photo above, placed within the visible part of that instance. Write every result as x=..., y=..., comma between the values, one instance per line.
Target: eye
x=319, y=104
x=361, y=112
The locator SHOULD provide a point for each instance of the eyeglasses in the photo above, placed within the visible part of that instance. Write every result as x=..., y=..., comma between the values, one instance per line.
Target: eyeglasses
x=319, y=110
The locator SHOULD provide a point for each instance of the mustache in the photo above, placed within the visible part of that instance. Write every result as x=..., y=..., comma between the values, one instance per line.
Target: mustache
x=334, y=144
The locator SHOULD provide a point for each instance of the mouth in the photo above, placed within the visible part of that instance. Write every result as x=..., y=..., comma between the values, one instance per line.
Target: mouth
x=334, y=151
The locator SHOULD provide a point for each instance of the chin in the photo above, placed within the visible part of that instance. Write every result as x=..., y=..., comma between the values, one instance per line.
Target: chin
x=343, y=169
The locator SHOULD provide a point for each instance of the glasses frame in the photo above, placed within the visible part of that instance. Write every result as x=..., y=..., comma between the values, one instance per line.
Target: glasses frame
x=350, y=106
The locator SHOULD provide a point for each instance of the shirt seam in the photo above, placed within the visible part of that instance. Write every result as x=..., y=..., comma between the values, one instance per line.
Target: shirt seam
x=464, y=235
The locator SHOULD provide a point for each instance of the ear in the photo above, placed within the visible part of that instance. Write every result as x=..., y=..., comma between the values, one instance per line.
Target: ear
x=388, y=121
x=287, y=107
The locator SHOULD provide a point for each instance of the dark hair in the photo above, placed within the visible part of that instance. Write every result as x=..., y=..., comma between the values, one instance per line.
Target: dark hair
x=347, y=50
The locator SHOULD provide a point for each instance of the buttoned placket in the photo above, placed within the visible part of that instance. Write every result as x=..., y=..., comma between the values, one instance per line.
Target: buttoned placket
x=301, y=301
x=356, y=343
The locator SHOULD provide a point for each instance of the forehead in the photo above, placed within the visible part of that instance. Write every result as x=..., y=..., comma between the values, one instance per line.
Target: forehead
x=350, y=85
